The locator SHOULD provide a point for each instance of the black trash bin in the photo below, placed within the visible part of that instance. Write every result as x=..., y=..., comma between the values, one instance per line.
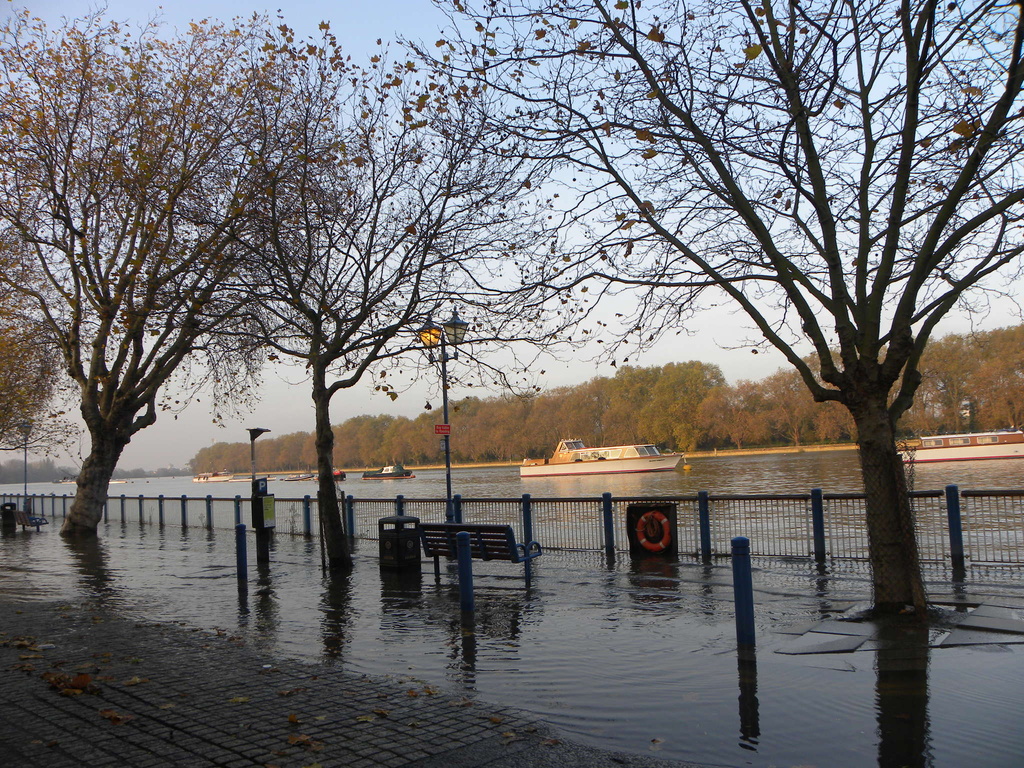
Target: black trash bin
x=399, y=541
x=651, y=529
x=7, y=519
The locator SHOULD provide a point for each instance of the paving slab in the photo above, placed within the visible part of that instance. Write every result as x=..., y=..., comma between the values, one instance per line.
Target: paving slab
x=992, y=624
x=960, y=637
x=814, y=642
x=836, y=627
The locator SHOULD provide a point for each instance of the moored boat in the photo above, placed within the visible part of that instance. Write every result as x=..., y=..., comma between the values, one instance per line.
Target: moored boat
x=573, y=457
x=213, y=477
x=392, y=472
x=968, y=446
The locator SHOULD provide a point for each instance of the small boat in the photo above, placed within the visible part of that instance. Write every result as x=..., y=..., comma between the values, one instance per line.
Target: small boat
x=339, y=474
x=968, y=446
x=573, y=457
x=392, y=472
x=213, y=477
x=296, y=478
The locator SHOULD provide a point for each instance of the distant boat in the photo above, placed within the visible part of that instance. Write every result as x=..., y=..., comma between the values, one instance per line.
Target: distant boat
x=296, y=478
x=392, y=472
x=213, y=477
x=969, y=446
x=573, y=457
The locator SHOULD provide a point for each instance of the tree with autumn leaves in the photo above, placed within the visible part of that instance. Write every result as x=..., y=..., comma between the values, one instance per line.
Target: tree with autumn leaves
x=844, y=174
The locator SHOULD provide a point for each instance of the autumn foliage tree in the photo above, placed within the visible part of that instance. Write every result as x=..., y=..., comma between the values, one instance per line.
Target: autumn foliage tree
x=845, y=174
x=125, y=166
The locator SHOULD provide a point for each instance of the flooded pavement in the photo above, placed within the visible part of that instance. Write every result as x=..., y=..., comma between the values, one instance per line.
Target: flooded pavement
x=638, y=656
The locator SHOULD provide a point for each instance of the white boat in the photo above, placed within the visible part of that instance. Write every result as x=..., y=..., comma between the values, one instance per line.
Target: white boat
x=572, y=457
x=213, y=477
x=969, y=446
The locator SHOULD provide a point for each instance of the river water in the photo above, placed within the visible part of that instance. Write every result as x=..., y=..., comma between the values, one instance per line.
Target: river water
x=832, y=471
x=637, y=655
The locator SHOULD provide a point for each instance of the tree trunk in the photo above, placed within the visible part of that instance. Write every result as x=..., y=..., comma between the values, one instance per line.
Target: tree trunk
x=895, y=566
x=338, y=555
x=93, y=484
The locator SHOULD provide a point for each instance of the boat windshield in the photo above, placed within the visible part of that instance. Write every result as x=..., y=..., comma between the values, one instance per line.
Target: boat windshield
x=647, y=450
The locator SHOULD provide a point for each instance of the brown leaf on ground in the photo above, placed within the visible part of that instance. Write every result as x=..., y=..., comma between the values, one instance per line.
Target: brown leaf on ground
x=306, y=742
x=136, y=680
x=292, y=691
x=115, y=717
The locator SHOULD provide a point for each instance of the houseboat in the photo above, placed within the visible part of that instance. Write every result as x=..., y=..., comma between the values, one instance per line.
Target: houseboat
x=572, y=457
x=213, y=477
x=392, y=472
x=1002, y=444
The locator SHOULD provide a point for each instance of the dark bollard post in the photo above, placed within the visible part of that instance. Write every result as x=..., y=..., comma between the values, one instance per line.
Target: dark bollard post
x=399, y=504
x=457, y=508
x=142, y=508
x=238, y=510
x=54, y=505
x=106, y=510
x=350, y=516
x=956, y=530
x=184, y=511
x=818, y=523
x=609, y=527
x=160, y=509
x=704, y=513
x=241, y=559
x=743, y=591
x=307, y=516
x=209, y=513
x=527, y=518
x=465, y=571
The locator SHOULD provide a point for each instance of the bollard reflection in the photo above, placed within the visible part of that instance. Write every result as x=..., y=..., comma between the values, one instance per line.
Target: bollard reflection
x=336, y=611
x=750, y=724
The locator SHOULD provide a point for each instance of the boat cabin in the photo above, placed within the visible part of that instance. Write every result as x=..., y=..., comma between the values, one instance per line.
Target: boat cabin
x=576, y=450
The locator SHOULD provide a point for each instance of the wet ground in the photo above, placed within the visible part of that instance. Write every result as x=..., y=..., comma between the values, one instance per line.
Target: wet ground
x=638, y=656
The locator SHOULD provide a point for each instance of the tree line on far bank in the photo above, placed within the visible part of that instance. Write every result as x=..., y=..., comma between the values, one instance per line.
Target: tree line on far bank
x=971, y=382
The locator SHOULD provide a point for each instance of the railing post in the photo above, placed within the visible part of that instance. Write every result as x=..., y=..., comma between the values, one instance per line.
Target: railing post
x=184, y=511
x=743, y=591
x=457, y=508
x=238, y=511
x=350, y=516
x=399, y=504
x=209, y=512
x=160, y=510
x=307, y=516
x=142, y=508
x=527, y=518
x=106, y=511
x=818, y=523
x=704, y=514
x=609, y=527
x=956, y=530
x=465, y=556
x=122, y=507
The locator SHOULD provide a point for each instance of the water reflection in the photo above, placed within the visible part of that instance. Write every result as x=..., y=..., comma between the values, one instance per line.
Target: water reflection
x=750, y=722
x=901, y=695
x=654, y=580
x=88, y=555
x=336, y=612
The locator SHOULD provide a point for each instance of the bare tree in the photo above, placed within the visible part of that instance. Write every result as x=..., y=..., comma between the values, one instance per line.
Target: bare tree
x=125, y=168
x=387, y=203
x=845, y=173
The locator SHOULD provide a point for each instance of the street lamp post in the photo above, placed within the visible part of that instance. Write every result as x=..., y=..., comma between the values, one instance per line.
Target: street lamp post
x=254, y=432
x=258, y=523
x=452, y=332
x=25, y=428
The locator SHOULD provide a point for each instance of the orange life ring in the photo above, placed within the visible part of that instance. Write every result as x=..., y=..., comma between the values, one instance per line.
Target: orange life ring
x=649, y=525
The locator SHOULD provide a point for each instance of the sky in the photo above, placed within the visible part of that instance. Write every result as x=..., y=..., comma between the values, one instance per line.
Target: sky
x=715, y=336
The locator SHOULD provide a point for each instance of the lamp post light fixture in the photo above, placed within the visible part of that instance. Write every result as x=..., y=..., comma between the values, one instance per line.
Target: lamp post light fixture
x=254, y=432
x=452, y=332
x=25, y=428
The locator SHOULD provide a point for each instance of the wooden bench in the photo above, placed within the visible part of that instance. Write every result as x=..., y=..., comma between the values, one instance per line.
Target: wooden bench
x=486, y=542
x=24, y=519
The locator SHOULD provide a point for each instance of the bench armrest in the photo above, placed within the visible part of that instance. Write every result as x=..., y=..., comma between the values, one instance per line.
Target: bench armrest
x=529, y=550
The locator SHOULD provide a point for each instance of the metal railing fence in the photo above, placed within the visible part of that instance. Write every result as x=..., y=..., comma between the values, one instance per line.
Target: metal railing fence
x=777, y=525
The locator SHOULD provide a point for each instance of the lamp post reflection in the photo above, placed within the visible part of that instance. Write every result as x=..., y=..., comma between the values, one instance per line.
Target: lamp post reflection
x=452, y=332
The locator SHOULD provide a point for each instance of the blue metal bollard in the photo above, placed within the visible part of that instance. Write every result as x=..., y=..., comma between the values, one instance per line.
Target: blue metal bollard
x=818, y=523
x=743, y=591
x=465, y=571
x=238, y=510
x=609, y=526
x=399, y=504
x=122, y=508
x=142, y=508
x=241, y=559
x=956, y=529
x=184, y=511
x=527, y=518
x=209, y=513
x=704, y=513
x=307, y=516
x=160, y=509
